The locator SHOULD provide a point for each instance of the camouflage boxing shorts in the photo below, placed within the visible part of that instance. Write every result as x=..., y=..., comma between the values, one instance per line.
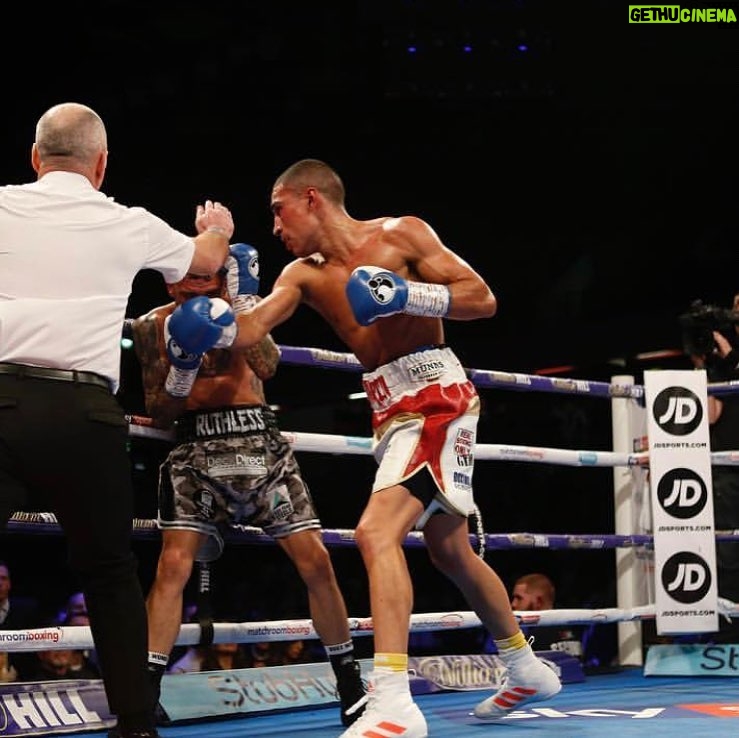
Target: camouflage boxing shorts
x=232, y=467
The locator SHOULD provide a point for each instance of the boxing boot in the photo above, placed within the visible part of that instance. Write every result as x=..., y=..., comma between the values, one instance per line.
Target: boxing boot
x=390, y=709
x=528, y=679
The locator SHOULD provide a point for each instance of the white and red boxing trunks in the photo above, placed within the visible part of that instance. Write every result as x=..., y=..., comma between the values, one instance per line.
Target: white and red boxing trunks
x=424, y=414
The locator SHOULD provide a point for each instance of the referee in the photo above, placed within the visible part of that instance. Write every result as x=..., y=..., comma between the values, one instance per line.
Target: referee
x=68, y=256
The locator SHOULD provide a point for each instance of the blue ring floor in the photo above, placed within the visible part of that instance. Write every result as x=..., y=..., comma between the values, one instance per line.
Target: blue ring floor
x=618, y=705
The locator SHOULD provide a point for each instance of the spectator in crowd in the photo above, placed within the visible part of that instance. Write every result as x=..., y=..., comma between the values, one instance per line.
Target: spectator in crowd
x=52, y=664
x=15, y=613
x=83, y=664
x=533, y=592
x=74, y=605
x=595, y=645
x=62, y=663
x=294, y=652
x=8, y=672
x=263, y=653
x=536, y=591
x=216, y=657
x=75, y=613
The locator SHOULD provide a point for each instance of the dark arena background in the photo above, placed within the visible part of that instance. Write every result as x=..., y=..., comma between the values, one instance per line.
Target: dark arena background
x=585, y=166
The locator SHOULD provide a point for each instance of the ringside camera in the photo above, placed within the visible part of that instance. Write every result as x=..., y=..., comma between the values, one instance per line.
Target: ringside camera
x=699, y=322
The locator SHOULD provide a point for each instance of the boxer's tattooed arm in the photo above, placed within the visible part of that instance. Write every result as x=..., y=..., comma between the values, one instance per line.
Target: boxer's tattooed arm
x=263, y=357
x=160, y=405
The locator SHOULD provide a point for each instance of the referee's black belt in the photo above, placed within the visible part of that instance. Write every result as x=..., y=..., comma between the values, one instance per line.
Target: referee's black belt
x=60, y=375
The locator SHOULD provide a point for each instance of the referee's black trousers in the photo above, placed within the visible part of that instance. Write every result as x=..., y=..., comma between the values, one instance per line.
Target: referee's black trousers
x=63, y=448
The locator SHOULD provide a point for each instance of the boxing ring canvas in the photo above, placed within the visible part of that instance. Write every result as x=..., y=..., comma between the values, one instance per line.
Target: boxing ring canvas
x=618, y=705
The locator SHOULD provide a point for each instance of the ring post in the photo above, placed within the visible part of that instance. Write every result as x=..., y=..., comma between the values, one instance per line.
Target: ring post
x=629, y=634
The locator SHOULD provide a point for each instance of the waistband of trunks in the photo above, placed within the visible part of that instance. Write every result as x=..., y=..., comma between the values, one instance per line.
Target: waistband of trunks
x=408, y=374
x=222, y=422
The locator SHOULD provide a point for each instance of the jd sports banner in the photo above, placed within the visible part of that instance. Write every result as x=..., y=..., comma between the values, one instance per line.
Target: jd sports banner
x=682, y=502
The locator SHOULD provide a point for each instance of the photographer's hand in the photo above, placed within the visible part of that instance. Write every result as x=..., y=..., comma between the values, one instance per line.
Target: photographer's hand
x=723, y=347
x=729, y=356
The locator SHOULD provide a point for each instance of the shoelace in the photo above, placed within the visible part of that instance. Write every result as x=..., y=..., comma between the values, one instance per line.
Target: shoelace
x=363, y=700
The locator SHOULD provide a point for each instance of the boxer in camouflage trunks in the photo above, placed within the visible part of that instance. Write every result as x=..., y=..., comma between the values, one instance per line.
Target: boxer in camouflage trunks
x=231, y=466
x=224, y=472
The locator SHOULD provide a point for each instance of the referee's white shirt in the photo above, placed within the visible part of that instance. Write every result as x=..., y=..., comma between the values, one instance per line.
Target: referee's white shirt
x=68, y=256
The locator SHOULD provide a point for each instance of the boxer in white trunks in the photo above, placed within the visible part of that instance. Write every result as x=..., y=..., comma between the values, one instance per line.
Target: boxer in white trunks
x=384, y=286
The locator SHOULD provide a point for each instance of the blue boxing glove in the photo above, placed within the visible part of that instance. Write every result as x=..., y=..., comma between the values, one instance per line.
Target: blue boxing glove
x=194, y=327
x=200, y=324
x=375, y=293
x=242, y=276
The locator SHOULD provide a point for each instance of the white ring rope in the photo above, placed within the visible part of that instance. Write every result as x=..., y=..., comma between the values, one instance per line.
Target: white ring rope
x=326, y=443
x=80, y=636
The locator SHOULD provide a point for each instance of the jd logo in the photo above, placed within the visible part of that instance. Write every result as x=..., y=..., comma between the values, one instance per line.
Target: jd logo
x=682, y=493
x=686, y=577
x=677, y=411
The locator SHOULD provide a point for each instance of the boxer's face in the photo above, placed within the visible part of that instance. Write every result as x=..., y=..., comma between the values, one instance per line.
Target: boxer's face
x=195, y=285
x=294, y=219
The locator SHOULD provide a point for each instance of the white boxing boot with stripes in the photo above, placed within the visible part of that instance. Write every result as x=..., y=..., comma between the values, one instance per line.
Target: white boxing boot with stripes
x=390, y=709
x=528, y=679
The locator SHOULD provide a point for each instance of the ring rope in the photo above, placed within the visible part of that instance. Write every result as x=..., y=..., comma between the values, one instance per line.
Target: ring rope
x=326, y=359
x=42, y=523
x=142, y=427
x=80, y=636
